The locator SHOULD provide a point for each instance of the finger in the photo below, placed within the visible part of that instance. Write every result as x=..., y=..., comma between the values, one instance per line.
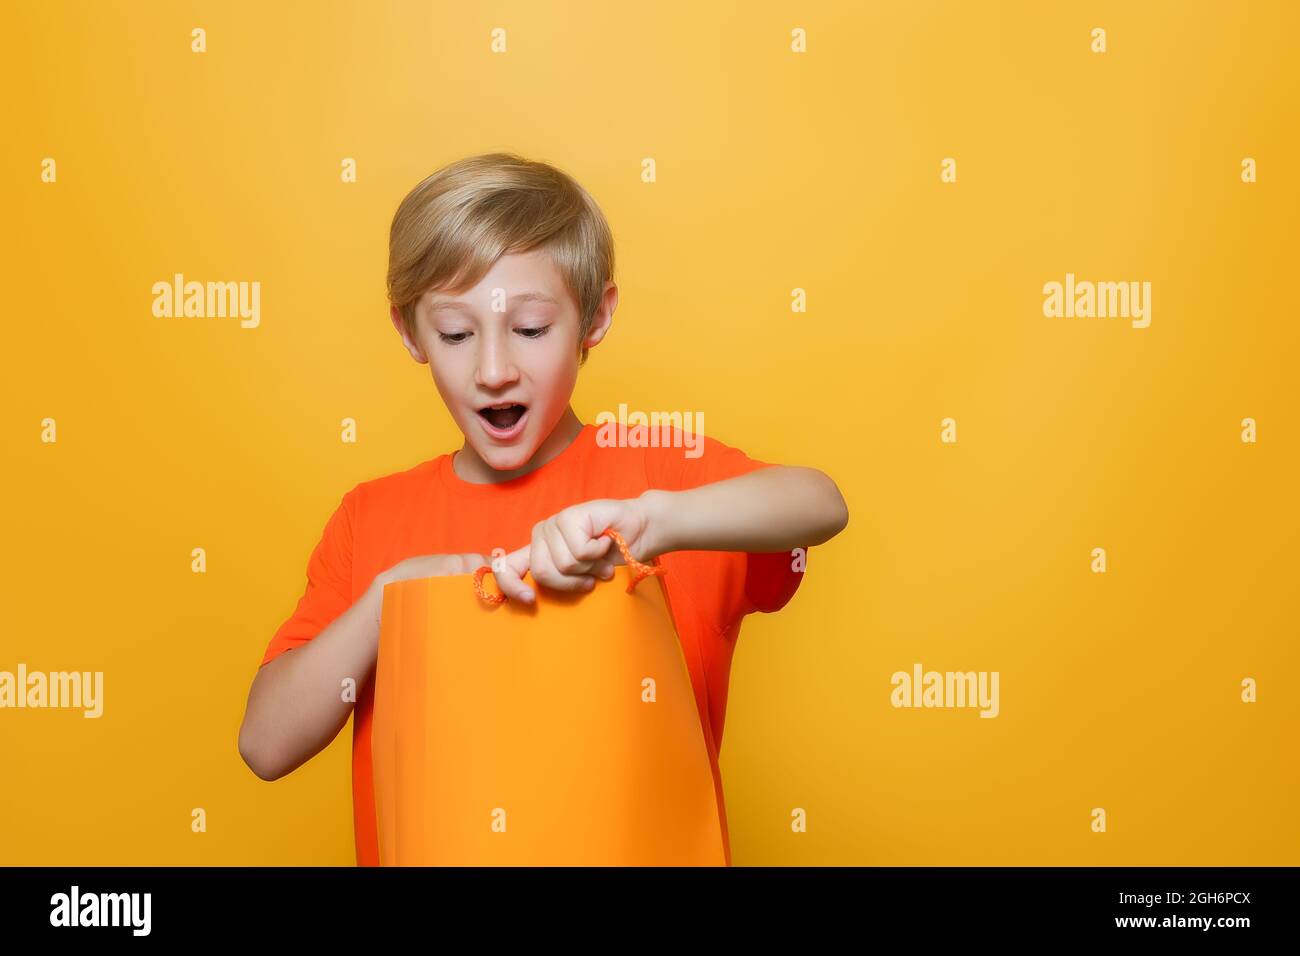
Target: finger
x=544, y=569
x=584, y=539
x=567, y=536
x=517, y=560
x=561, y=554
x=512, y=584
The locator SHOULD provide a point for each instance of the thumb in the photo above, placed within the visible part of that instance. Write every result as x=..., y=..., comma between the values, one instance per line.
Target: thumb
x=611, y=554
x=599, y=545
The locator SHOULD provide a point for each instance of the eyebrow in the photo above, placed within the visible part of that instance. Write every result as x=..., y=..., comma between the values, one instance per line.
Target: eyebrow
x=439, y=304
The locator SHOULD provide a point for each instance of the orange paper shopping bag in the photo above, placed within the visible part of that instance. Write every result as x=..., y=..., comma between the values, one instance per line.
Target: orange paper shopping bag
x=560, y=734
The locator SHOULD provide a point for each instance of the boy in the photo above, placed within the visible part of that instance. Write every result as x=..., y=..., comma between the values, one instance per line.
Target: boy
x=500, y=278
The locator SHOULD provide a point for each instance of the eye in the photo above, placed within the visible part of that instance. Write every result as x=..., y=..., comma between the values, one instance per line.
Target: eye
x=536, y=333
x=453, y=338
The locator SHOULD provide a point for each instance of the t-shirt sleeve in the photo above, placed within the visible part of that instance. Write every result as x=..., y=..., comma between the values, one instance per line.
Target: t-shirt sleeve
x=329, y=583
x=744, y=582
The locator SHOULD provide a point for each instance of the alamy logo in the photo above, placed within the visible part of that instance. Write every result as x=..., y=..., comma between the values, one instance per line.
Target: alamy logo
x=946, y=689
x=653, y=430
x=210, y=300
x=1098, y=300
x=102, y=909
x=84, y=689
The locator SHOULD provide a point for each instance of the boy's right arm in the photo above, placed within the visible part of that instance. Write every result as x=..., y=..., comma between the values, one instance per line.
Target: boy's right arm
x=296, y=704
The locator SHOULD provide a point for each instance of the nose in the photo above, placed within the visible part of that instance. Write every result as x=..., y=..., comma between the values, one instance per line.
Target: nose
x=495, y=365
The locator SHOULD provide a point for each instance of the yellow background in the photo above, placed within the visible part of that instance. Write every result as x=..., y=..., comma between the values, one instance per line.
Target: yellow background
x=775, y=171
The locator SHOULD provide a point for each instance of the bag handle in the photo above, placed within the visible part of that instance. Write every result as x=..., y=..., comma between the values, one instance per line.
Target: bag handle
x=639, y=570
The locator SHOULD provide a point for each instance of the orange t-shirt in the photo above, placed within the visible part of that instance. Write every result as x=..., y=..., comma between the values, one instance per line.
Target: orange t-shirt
x=429, y=509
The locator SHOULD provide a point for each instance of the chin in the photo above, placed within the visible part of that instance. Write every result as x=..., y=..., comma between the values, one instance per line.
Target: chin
x=509, y=458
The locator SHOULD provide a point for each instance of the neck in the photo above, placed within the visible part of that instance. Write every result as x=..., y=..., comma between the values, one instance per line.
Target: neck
x=468, y=465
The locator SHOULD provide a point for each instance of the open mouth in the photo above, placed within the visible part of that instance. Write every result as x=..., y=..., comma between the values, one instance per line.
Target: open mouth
x=503, y=417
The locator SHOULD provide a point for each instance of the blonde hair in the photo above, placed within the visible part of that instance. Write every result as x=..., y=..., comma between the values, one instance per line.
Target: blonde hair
x=452, y=227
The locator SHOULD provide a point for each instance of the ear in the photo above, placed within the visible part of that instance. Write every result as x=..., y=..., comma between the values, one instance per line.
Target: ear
x=412, y=345
x=604, y=317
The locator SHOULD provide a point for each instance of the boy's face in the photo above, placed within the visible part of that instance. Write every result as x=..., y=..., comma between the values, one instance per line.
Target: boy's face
x=511, y=340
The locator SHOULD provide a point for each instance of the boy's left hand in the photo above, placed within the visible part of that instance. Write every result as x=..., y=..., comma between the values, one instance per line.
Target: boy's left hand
x=568, y=551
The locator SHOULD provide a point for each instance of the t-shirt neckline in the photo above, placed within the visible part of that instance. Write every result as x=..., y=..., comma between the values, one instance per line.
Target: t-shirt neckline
x=457, y=485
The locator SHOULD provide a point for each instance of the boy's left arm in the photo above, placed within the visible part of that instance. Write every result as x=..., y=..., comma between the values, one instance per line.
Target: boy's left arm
x=767, y=511
x=775, y=508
